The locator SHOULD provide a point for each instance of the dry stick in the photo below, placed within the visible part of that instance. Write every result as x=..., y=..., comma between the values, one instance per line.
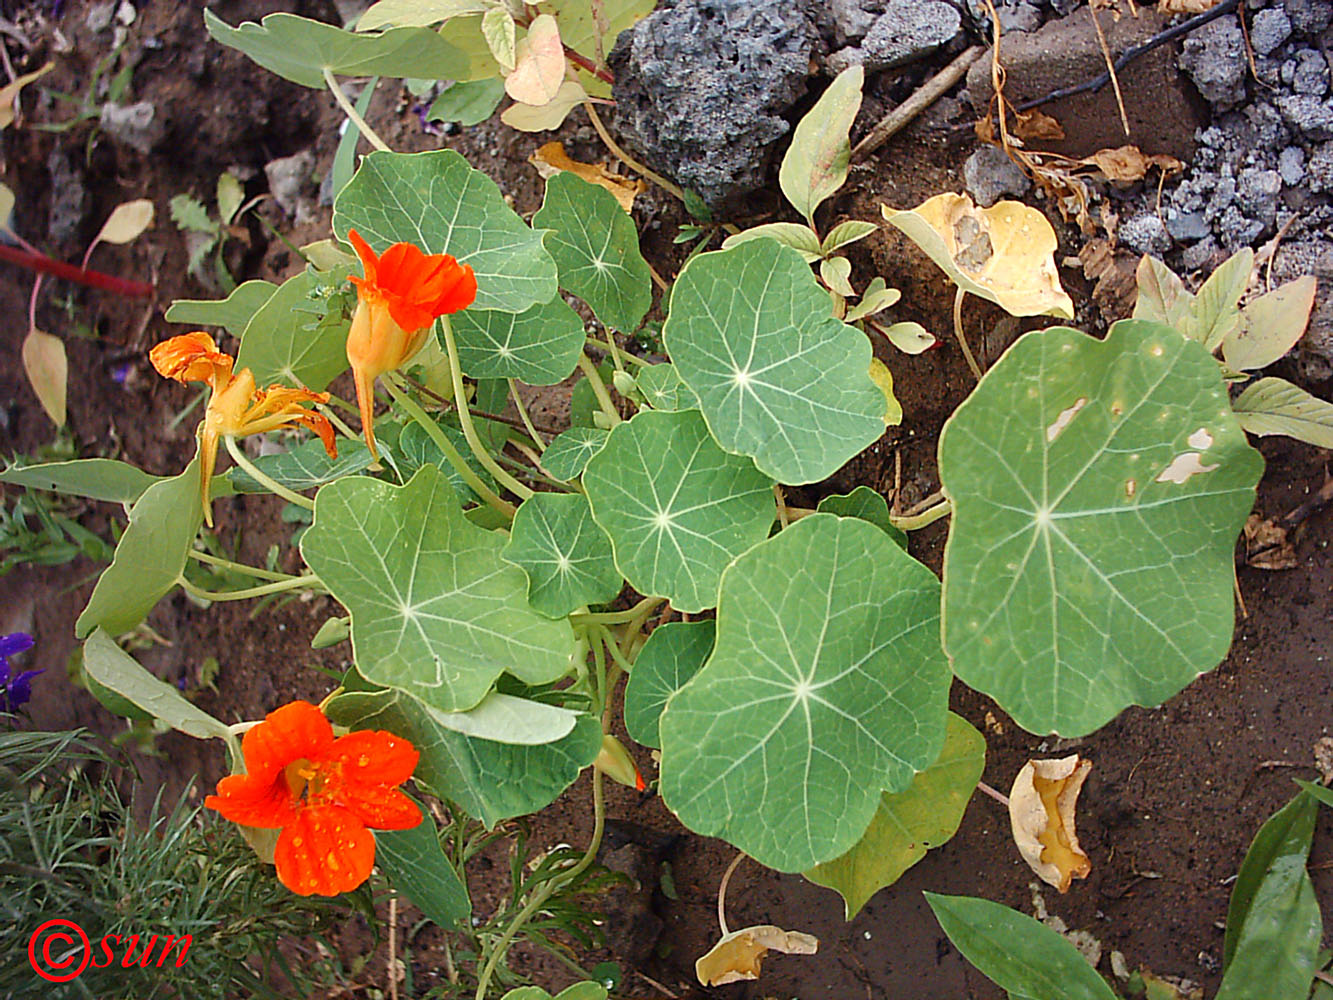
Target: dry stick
x=393, y=947
x=904, y=113
x=999, y=797
x=625, y=158
x=1324, y=496
x=783, y=519
x=1110, y=68
x=722, y=892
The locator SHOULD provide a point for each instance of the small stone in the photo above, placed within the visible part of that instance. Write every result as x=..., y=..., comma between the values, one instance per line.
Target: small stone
x=1214, y=58
x=1144, y=233
x=100, y=16
x=1309, y=16
x=69, y=196
x=287, y=178
x=1270, y=28
x=1019, y=17
x=1320, y=169
x=1288, y=74
x=1238, y=231
x=1198, y=256
x=989, y=175
x=1291, y=165
x=908, y=30
x=1311, y=73
x=1257, y=194
x=850, y=20
x=1307, y=115
x=136, y=125
x=1187, y=227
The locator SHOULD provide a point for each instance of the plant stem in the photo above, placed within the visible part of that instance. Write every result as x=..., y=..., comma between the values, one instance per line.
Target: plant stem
x=451, y=454
x=962, y=338
x=928, y=516
x=235, y=567
x=617, y=617
x=355, y=116
x=295, y=583
x=999, y=797
x=599, y=388
x=625, y=158
x=615, y=351
x=43, y=264
x=624, y=355
x=783, y=519
x=523, y=415
x=722, y=892
x=465, y=418
x=291, y=496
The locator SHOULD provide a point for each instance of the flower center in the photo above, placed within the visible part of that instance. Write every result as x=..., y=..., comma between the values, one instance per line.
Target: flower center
x=305, y=778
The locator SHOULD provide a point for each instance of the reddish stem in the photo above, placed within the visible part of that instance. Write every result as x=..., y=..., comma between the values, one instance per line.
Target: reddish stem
x=583, y=62
x=43, y=264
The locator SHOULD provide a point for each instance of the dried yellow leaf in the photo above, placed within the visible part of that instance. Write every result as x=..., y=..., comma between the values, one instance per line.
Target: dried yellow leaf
x=10, y=92
x=739, y=954
x=1168, y=7
x=48, y=372
x=1005, y=253
x=551, y=159
x=1041, y=815
x=1129, y=163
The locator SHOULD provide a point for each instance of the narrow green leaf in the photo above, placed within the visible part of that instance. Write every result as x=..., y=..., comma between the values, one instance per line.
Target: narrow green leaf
x=847, y=233
x=344, y=157
x=416, y=866
x=1215, y=312
x=497, y=27
x=231, y=313
x=800, y=238
x=817, y=160
x=293, y=338
x=565, y=555
x=95, y=478
x=671, y=656
x=1275, y=406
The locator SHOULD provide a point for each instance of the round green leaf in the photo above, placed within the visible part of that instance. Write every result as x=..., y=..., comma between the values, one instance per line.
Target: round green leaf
x=566, y=557
x=436, y=201
x=304, y=467
x=596, y=249
x=671, y=656
x=416, y=449
x=489, y=780
x=778, y=378
x=540, y=345
x=866, y=504
x=677, y=507
x=826, y=686
x=231, y=313
x=909, y=823
x=434, y=608
x=1098, y=488
x=568, y=453
x=294, y=337
x=662, y=388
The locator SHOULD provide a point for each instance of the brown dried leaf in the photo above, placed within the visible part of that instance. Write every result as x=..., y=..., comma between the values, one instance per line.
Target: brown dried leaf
x=1041, y=816
x=1114, y=273
x=1168, y=7
x=551, y=159
x=738, y=956
x=1266, y=545
x=1029, y=125
x=1323, y=758
x=1129, y=163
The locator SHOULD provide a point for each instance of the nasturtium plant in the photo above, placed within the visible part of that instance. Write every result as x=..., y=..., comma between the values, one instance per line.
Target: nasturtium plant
x=566, y=556
x=569, y=452
x=304, y=467
x=539, y=346
x=294, y=338
x=663, y=390
x=826, y=686
x=671, y=656
x=1088, y=479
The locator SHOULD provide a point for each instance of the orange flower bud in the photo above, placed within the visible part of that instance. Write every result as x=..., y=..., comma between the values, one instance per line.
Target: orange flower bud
x=615, y=762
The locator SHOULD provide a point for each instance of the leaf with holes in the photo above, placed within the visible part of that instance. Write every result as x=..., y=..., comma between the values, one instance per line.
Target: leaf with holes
x=910, y=822
x=596, y=249
x=436, y=201
x=677, y=507
x=778, y=378
x=292, y=338
x=568, y=453
x=1089, y=478
x=435, y=610
x=488, y=780
x=662, y=388
x=826, y=687
x=671, y=656
x=540, y=345
x=566, y=557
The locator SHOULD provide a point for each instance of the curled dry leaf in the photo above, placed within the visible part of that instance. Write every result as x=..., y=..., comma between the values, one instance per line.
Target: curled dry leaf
x=551, y=159
x=539, y=64
x=1005, y=253
x=1034, y=124
x=1168, y=7
x=1041, y=816
x=128, y=221
x=1129, y=163
x=1267, y=545
x=738, y=955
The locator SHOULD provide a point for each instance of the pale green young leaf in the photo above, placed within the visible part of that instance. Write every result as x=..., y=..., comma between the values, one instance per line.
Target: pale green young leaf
x=121, y=673
x=96, y=478
x=435, y=610
x=596, y=249
x=304, y=467
x=875, y=299
x=866, y=504
x=415, y=866
x=1088, y=478
x=579, y=991
x=548, y=116
x=231, y=195
x=490, y=781
x=293, y=339
x=417, y=13
x=1215, y=312
x=567, y=455
x=567, y=558
x=539, y=346
x=910, y=822
x=231, y=313
x=300, y=50
x=677, y=507
x=6, y=207
x=579, y=29
x=908, y=337
x=671, y=656
x=437, y=202
x=826, y=686
x=504, y=718
x=150, y=555
x=817, y=160
x=1275, y=406
x=662, y=388
x=190, y=214
x=847, y=233
x=47, y=368
x=800, y=238
x=468, y=103
x=837, y=273
x=1162, y=296
x=1270, y=325
x=882, y=377
x=476, y=63
x=126, y=222
x=497, y=27
x=1016, y=952
x=778, y=378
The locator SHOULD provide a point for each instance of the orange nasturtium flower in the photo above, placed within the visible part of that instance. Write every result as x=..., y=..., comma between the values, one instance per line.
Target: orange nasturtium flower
x=402, y=294
x=323, y=793
x=236, y=408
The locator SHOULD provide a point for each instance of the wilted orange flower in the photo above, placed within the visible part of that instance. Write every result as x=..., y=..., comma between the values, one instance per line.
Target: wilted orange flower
x=402, y=294
x=323, y=793
x=236, y=408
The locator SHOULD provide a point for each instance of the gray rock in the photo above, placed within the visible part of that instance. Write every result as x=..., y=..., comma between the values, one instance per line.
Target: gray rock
x=136, y=125
x=1144, y=233
x=1311, y=256
x=1257, y=193
x=907, y=30
x=1308, y=115
x=1187, y=227
x=69, y=196
x=1291, y=165
x=989, y=175
x=1309, y=16
x=1288, y=73
x=851, y=21
x=1020, y=17
x=1236, y=230
x=1199, y=255
x=1311, y=73
x=287, y=179
x=1269, y=131
x=702, y=85
x=1270, y=28
x=1320, y=169
x=1214, y=58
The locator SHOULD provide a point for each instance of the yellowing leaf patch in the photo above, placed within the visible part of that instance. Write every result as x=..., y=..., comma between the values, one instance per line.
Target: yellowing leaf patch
x=1005, y=253
x=1041, y=816
x=739, y=955
x=127, y=222
x=48, y=370
x=552, y=159
x=539, y=64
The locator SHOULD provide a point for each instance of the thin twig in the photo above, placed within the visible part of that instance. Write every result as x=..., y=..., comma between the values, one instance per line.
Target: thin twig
x=1110, y=67
x=625, y=158
x=930, y=92
x=528, y=425
x=393, y=947
x=43, y=264
x=999, y=797
x=722, y=892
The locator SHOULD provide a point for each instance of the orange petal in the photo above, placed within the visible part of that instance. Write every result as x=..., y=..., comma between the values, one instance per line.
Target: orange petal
x=324, y=851
x=251, y=800
x=365, y=400
x=374, y=756
x=191, y=357
x=378, y=806
x=288, y=734
x=369, y=262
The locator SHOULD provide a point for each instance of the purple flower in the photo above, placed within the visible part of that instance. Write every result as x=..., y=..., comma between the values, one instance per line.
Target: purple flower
x=15, y=690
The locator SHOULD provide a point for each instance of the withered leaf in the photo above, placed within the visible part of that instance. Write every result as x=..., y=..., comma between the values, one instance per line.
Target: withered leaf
x=1029, y=125
x=738, y=955
x=551, y=159
x=539, y=64
x=1129, y=163
x=1041, y=815
x=1266, y=545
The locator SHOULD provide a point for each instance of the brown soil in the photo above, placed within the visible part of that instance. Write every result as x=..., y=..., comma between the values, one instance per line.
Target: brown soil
x=1176, y=792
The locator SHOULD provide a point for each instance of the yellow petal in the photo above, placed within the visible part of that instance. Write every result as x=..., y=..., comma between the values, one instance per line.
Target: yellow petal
x=1041, y=816
x=738, y=955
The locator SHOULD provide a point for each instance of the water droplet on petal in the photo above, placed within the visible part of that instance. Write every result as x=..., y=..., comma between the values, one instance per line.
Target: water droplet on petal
x=363, y=760
x=298, y=841
x=332, y=861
